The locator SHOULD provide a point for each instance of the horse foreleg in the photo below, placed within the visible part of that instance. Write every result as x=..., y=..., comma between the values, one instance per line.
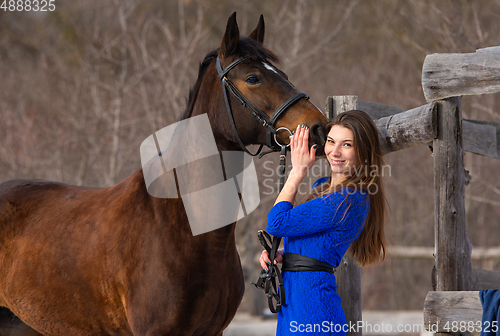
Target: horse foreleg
x=11, y=325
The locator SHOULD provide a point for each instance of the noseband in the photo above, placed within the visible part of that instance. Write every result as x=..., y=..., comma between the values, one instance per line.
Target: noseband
x=261, y=117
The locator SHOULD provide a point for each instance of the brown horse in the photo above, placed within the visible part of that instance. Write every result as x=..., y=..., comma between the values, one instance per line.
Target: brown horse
x=117, y=261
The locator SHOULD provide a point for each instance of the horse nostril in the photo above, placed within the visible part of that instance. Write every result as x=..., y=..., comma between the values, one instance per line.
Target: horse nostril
x=318, y=134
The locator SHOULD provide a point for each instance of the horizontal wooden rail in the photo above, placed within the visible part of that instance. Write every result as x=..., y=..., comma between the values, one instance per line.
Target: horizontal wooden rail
x=482, y=137
x=484, y=279
x=418, y=252
x=409, y=128
x=404, y=129
x=399, y=130
x=454, y=75
x=374, y=110
x=377, y=111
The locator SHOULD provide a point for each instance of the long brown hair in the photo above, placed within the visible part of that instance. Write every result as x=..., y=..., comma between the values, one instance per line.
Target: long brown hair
x=370, y=244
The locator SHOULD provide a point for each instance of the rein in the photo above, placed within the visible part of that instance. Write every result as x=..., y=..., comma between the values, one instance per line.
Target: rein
x=267, y=278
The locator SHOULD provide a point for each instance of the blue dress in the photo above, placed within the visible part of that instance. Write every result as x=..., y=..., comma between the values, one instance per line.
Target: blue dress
x=323, y=229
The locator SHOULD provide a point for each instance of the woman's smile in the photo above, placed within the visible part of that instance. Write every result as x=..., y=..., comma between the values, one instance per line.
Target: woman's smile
x=336, y=162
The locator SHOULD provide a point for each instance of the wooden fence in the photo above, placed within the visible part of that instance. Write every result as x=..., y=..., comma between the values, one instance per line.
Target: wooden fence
x=445, y=78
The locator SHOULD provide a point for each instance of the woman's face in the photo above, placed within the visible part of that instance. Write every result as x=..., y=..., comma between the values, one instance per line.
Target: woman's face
x=340, y=152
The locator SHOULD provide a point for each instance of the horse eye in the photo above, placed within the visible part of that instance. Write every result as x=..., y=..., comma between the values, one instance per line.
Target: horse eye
x=252, y=80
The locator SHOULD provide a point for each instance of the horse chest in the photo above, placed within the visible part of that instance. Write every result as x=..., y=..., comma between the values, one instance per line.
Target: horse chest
x=200, y=298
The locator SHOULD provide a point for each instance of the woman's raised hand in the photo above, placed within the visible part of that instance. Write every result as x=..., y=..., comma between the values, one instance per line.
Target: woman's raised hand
x=302, y=157
x=302, y=160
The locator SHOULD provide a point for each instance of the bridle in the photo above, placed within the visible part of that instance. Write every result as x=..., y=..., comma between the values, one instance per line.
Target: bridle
x=275, y=291
x=261, y=117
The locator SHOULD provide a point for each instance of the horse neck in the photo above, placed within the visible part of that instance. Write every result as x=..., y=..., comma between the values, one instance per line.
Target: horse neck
x=167, y=214
x=208, y=99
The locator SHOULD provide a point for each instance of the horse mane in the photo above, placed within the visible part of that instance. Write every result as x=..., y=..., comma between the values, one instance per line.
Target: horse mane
x=247, y=47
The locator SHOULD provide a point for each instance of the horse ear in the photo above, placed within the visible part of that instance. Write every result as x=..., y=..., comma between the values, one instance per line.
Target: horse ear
x=258, y=32
x=231, y=37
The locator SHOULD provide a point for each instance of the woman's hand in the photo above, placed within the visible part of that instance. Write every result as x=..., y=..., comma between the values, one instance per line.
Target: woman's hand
x=302, y=158
x=264, y=258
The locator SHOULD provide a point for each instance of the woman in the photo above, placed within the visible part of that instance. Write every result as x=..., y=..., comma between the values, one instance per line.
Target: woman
x=342, y=212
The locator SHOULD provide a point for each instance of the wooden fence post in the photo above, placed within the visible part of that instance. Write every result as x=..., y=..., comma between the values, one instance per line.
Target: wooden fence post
x=348, y=274
x=453, y=250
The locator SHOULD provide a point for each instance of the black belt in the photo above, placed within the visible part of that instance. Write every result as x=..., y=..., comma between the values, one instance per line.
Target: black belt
x=293, y=262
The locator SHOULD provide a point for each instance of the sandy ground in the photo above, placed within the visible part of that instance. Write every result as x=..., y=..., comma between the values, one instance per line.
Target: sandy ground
x=375, y=323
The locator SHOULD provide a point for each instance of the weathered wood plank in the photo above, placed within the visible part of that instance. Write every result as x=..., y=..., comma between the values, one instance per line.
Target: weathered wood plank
x=453, y=75
x=374, y=110
x=407, y=129
x=377, y=111
x=348, y=274
x=484, y=279
x=482, y=137
x=453, y=250
x=329, y=108
x=348, y=277
x=481, y=279
x=338, y=104
x=441, y=309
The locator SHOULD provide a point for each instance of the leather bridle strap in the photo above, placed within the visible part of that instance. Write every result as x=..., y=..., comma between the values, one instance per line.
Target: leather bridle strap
x=260, y=116
x=256, y=112
x=292, y=100
x=233, y=125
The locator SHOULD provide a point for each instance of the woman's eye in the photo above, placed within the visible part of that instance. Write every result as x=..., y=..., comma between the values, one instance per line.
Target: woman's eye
x=252, y=80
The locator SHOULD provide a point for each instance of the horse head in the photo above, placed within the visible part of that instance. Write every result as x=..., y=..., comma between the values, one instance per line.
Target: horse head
x=262, y=104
